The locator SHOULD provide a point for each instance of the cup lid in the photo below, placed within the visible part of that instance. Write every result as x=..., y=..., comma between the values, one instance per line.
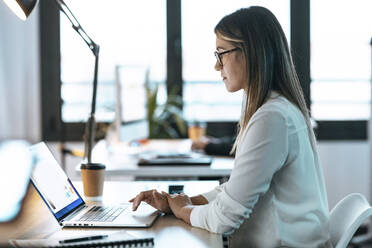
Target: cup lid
x=92, y=166
x=196, y=123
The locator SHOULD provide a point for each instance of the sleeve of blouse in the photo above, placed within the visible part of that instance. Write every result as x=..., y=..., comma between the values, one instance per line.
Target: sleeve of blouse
x=211, y=195
x=262, y=151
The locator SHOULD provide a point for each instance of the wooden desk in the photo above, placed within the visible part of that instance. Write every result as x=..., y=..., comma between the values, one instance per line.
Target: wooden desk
x=121, y=160
x=37, y=222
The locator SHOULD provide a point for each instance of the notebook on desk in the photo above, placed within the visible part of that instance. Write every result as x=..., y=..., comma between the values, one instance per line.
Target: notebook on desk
x=174, y=158
x=118, y=239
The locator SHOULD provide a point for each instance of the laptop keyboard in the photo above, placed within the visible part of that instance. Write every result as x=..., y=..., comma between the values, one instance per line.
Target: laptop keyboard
x=102, y=214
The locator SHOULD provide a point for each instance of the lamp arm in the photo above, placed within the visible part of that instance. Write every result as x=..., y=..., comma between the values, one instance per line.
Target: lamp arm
x=91, y=123
x=77, y=27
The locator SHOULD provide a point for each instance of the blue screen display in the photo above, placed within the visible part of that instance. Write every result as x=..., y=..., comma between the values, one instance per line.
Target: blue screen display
x=63, y=212
x=52, y=183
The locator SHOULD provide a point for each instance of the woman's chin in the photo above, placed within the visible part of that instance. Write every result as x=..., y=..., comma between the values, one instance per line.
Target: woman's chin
x=230, y=89
x=227, y=86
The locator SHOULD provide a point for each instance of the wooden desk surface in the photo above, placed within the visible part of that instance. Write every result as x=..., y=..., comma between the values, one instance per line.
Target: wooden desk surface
x=36, y=221
x=121, y=160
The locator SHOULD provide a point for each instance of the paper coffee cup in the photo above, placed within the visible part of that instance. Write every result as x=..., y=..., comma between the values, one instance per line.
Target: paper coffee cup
x=93, y=177
x=196, y=130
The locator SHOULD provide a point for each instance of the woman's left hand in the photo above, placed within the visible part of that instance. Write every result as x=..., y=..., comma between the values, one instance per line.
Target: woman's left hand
x=181, y=205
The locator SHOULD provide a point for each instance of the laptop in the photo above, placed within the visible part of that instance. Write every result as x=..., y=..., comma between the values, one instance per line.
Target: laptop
x=67, y=206
x=174, y=159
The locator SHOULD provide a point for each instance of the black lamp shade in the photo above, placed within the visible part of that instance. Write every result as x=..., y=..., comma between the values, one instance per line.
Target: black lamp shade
x=22, y=8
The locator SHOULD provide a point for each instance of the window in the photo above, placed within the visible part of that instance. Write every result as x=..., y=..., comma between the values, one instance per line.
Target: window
x=127, y=37
x=340, y=68
x=130, y=34
x=340, y=59
x=205, y=96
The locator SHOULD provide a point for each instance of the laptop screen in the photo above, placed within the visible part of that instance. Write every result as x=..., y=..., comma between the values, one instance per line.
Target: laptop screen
x=53, y=185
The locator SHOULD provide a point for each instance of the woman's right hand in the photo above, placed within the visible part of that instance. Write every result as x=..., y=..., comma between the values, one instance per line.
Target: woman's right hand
x=153, y=198
x=200, y=144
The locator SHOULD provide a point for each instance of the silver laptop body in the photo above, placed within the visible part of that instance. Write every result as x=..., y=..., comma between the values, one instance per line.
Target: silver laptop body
x=65, y=203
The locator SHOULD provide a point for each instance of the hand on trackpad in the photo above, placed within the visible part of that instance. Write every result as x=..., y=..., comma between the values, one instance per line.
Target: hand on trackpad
x=144, y=209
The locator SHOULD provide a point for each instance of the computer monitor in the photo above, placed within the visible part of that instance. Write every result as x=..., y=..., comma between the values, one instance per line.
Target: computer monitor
x=131, y=103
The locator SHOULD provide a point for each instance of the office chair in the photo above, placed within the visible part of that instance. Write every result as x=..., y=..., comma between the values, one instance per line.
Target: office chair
x=346, y=217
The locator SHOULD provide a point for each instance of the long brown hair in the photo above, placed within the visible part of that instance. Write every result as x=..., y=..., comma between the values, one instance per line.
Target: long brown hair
x=258, y=34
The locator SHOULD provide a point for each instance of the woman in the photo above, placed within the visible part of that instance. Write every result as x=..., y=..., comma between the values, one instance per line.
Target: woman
x=276, y=194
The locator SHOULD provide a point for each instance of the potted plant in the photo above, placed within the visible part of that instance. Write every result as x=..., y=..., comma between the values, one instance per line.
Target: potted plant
x=166, y=119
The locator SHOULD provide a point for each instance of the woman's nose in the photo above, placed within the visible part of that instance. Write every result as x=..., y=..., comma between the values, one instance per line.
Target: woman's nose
x=217, y=66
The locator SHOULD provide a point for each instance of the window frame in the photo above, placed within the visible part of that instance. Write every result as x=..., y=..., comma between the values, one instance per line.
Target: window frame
x=300, y=46
x=53, y=129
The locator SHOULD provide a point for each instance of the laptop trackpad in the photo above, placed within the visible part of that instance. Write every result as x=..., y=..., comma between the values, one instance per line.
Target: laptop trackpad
x=144, y=214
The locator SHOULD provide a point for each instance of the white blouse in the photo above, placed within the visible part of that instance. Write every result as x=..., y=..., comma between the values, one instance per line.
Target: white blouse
x=276, y=188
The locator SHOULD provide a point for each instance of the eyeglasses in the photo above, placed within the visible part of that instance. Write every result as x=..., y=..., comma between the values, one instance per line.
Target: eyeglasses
x=220, y=55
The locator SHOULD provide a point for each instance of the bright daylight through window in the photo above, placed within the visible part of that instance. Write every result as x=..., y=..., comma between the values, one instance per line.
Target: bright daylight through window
x=340, y=59
x=340, y=55
x=205, y=96
x=127, y=37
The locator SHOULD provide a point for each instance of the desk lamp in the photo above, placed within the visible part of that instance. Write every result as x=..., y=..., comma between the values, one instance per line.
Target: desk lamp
x=23, y=8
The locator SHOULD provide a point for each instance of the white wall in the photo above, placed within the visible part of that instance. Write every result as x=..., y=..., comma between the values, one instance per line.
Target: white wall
x=19, y=76
x=346, y=168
